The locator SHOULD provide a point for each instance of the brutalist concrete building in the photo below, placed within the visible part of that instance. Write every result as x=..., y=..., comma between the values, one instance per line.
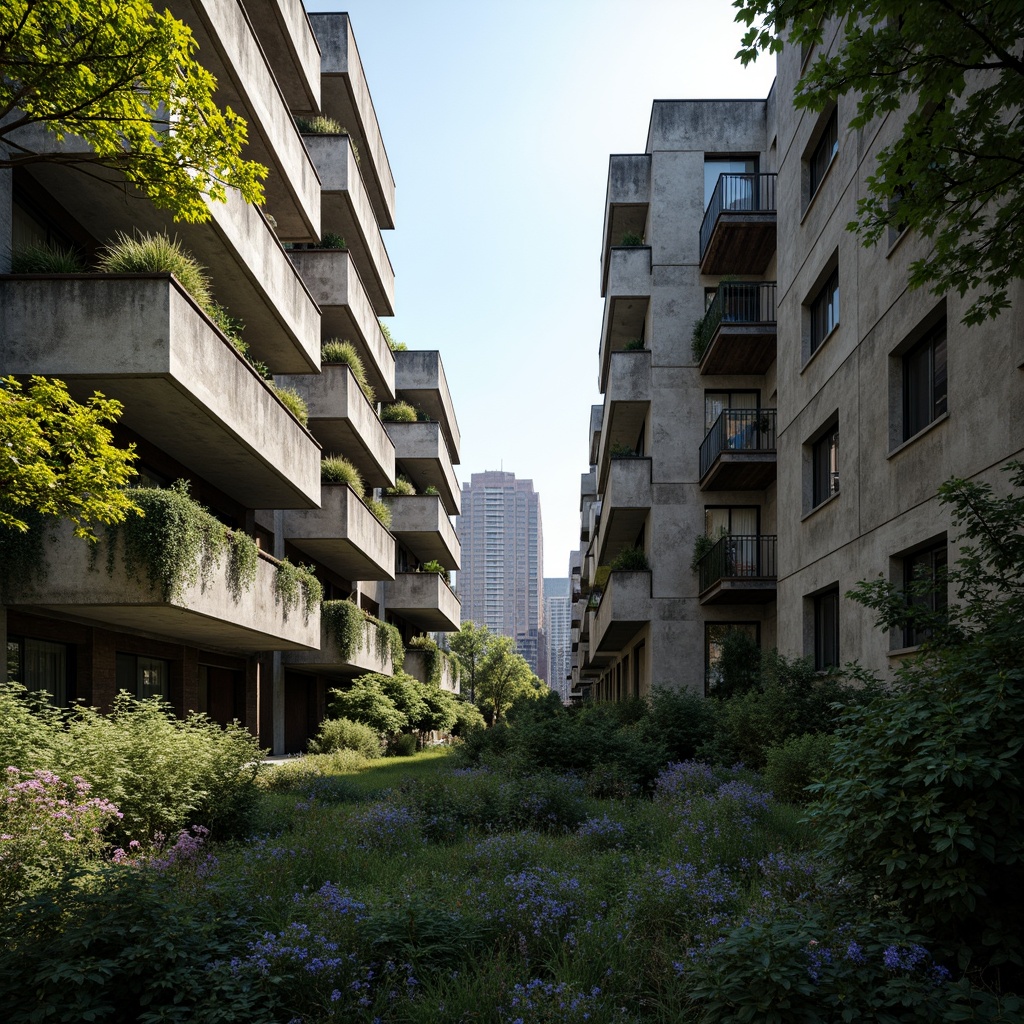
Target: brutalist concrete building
x=198, y=411
x=779, y=407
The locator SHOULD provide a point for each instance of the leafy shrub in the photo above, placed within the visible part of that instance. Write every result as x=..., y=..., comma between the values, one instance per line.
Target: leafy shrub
x=792, y=766
x=380, y=510
x=345, y=624
x=365, y=701
x=332, y=240
x=703, y=331
x=739, y=665
x=631, y=238
x=620, y=450
x=46, y=259
x=401, y=486
x=634, y=345
x=336, y=469
x=432, y=490
x=433, y=565
x=398, y=412
x=680, y=721
x=293, y=402
x=467, y=718
x=343, y=734
x=630, y=559
x=403, y=745
x=344, y=352
x=291, y=580
x=319, y=125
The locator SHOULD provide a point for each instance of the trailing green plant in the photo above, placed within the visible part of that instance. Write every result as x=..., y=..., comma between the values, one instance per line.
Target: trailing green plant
x=631, y=238
x=432, y=491
x=344, y=734
x=700, y=338
x=402, y=486
x=601, y=577
x=344, y=352
x=619, y=450
x=319, y=125
x=395, y=346
x=433, y=658
x=293, y=402
x=44, y=258
x=177, y=542
x=398, y=412
x=702, y=545
x=290, y=580
x=332, y=240
x=336, y=469
x=387, y=642
x=380, y=510
x=433, y=565
x=345, y=625
x=634, y=345
x=632, y=559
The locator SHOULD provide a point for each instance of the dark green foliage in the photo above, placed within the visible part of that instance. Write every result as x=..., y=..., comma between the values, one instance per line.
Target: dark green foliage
x=630, y=559
x=343, y=734
x=631, y=238
x=388, y=642
x=22, y=552
x=700, y=338
x=365, y=701
x=792, y=766
x=46, y=259
x=681, y=721
x=739, y=666
x=345, y=625
x=125, y=946
x=634, y=345
x=403, y=745
x=332, y=240
x=292, y=580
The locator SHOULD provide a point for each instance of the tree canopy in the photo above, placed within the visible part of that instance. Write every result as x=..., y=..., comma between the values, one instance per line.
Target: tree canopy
x=124, y=78
x=57, y=457
x=470, y=645
x=955, y=173
x=503, y=676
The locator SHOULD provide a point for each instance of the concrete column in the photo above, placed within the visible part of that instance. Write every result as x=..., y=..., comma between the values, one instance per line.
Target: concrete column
x=278, y=668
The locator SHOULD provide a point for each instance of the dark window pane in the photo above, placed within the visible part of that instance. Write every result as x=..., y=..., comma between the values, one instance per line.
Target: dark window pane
x=924, y=578
x=827, y=148
x=825, y=467
x=825, y=311
x=924, y=382
x=826, y=630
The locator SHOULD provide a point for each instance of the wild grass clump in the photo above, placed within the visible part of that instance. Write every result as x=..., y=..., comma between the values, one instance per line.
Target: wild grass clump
x=380, y=510
x=319, y=125
x=45, y=258
x=336, y=469
x=293, y=402
x=156, y=253
x=399, y=412
x=344, y=352
x=395, y=346
x=402, y=486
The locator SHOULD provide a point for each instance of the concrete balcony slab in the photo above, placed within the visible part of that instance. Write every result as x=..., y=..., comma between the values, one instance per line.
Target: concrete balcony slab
x=347, y=313
x=419, y=521
x=627, y=202
x=330, y=659
x=596, y=419
x=625, y=306
x=425, y=600
x=420, y=380
x=345, y=96
x=625, y=507
x=627, y=404
x=624, y=610
x=344, y=422
x=421, y=454
x=343, y=535
x=209, y=613
x=416, y=665
x=291, y=50
x=142, y=340
x=230, y=51
x=346, y=210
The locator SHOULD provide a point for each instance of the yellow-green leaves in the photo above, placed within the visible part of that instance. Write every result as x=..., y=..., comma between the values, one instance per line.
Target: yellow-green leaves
x=126, y=80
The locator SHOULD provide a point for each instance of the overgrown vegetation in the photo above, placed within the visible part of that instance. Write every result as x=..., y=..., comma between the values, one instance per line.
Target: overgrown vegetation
x=380, y=510
x=402, y=486
x=399, y=412
x=319, y=125
x=344, y=352
x=336, y=469
x=700, y=338
x=631, y=559
x=46, y=258
x=293, y=402
x=294, y=581
x=395, y=346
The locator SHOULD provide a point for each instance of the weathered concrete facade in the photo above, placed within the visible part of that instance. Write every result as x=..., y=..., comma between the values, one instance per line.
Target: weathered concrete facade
x=83, y=627
x=735, y=220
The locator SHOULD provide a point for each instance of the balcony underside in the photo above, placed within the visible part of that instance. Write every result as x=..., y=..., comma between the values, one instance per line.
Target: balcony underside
x=420, y=380
x=340, y=214
x=421, y=524
x=740, y=349
x=740, y=471
x=425, y=600
x=742, y=242
x=626, y=321
x=745, y=590
x=620, y=528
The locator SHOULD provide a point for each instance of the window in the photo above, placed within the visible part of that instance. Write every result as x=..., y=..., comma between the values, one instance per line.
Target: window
x=41, y=665
x=824, y=153
x=826, y=630
x=825, y=311
x=716, y=402
x=924, y=583
x=741, y=521
x=718, y=165
x=924, y=382
x=714, y=634
x=142, y=676
x=825, y=466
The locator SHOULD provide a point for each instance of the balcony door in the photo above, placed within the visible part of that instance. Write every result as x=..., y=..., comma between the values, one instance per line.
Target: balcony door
x=740, y=198
x=717, y=402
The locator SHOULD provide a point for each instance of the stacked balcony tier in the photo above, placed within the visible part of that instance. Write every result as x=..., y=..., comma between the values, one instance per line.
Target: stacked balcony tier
x=421, y=454
x=739, y=570
x=738, y=233
x=420, y=523
x=366, y=656
x=624, y=610
x=625, y=506
x=420, y=380
x=625, y=305
x=739, y=329
x=425, y=600
x=739, y=451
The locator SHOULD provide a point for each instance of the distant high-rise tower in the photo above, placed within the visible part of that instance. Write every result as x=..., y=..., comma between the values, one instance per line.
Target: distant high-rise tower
x=501, y=581
x=558, y=630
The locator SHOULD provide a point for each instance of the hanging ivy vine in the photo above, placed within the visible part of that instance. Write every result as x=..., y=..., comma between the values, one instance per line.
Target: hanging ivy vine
x=22, y=553
x=387, y=640
x=432, y=657
x=345, y=625
x=290, y=580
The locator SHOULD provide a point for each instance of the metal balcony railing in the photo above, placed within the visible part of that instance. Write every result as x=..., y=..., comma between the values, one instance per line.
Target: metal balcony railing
x=740, y=302
x=737, y=193
x=738, y=557
x=738, y=430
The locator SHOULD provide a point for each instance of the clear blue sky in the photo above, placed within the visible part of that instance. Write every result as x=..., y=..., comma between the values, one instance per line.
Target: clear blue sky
x=498, y=119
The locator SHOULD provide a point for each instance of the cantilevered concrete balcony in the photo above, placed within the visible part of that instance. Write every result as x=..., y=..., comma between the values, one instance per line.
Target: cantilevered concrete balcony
x=625, y=306
x=740, y=329
x=344, y=422
x=346, y=97
x=80, y=582
x=578, y=608
x=624, y=610
x=250, y=273
x=142, y=340
x=425, y=600
x=627, y=201
x=739, y=570
x=291, y=50
x=419, y=521
x=625, y=506
x=596, y=416
x=627, y=403
x=330, y=659
x=229, y=50
x=421, y=454
x=347, y=313
x=738, y=453
x=420, y=380
x=343, y=535
x=346, y=210
x=417, y=666
x=737, y=235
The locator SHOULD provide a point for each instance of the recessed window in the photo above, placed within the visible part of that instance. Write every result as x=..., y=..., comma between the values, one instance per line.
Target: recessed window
x=924, y=382
x=714, y=635
x=825, y=311
x=825, y=466
x=142, y=676
x=924, y=583
x=41, y=665
x=824, y=153
x=826, y=630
